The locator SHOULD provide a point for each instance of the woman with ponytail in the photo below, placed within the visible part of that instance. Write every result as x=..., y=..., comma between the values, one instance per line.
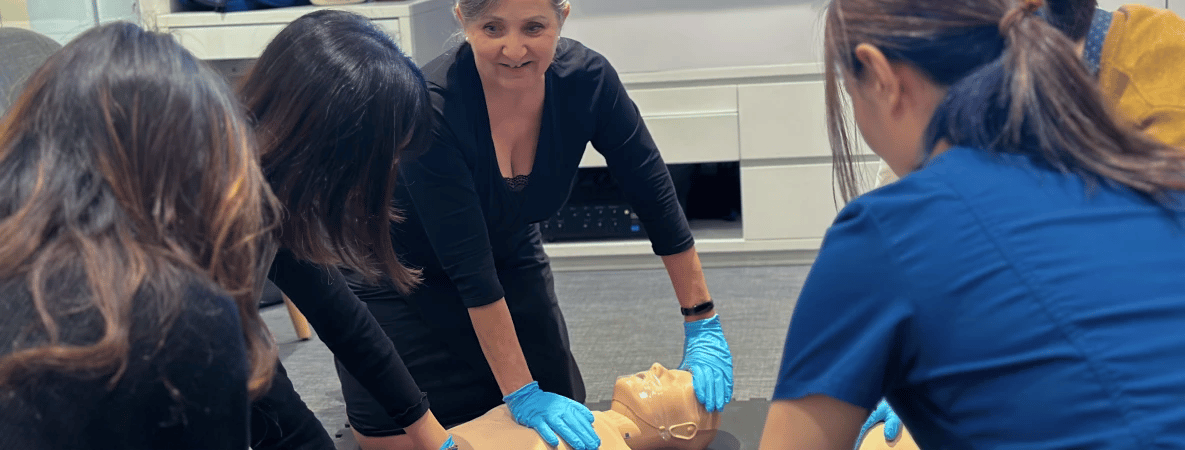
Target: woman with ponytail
x=1021, y=286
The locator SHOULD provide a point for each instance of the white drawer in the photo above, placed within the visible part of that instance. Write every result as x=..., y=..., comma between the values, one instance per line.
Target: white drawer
x=687, y=139
x=684, y=101
x=784, y=120
x=245, y=41
x=793, y=201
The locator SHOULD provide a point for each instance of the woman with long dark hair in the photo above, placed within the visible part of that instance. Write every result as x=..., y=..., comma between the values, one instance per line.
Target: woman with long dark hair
x=135, y=232
x=335, y=102
x=1021, y=286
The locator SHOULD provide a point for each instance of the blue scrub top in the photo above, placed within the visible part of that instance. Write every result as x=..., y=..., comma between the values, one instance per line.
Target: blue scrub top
x=997, y=303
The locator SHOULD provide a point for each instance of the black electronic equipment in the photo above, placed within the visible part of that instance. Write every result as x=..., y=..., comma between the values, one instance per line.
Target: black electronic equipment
x=590, y=222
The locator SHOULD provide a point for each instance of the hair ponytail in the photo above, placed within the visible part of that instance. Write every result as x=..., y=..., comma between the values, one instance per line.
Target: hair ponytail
x=1034, y=96
x=1039, y=99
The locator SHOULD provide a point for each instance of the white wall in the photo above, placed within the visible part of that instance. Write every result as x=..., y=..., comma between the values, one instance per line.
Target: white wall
x=655, y=35
x=1112, y=5
x=14, y=13
x=62, y=20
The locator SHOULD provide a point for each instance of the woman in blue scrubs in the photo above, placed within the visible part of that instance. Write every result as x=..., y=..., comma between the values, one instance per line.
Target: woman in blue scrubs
x=1023, y=285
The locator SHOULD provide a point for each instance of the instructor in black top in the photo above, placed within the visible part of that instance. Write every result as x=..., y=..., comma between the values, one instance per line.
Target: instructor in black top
x=516, y=106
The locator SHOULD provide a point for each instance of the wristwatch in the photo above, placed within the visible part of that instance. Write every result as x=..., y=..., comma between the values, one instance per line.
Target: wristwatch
x=698, y=309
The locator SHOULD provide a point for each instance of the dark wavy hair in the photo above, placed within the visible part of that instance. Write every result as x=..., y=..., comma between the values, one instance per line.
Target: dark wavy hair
x=335, y=102
x=1014, y=84
x=128, y=171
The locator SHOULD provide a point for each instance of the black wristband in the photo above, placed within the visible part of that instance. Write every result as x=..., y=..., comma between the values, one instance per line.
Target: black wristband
x=698, y=309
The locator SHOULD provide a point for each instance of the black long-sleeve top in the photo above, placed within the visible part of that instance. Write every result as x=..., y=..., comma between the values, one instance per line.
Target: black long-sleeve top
x=462, y=215
x=348, y=329
x=187, y=392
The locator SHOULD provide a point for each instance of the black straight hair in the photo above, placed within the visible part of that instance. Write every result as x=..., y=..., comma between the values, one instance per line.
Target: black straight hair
x=1072, y=17
x=335, y=102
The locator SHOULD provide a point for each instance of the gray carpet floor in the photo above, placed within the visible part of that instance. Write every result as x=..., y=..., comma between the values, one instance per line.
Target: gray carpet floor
x=620, y=322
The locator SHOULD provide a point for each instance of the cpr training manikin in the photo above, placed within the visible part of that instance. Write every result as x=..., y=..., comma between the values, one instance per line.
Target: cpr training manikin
x=652, y=410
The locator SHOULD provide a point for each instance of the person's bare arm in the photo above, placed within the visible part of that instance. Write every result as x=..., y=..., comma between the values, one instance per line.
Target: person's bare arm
x=815, y=422
x=687, y=276
x=427, y=432
x=499, y=343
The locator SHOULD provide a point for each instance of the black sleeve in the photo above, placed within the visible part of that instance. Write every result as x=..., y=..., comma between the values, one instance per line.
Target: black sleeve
x=207, y=368
x=633, y=159
x=280, y=420
x=346, y=326
x=445, y=197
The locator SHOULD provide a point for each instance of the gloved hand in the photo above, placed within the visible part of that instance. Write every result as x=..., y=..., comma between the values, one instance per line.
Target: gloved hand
x=449, y=444
x=707, y=357
x=882, y=413
x=549, y=414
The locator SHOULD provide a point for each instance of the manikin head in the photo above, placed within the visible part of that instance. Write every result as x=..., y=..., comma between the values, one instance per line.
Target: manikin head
x=662, y=405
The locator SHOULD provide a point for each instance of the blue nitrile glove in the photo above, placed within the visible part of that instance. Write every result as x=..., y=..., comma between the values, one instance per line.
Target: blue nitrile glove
x=706, y=356
x=882, y=413
x=550, y=414
x=449, y=444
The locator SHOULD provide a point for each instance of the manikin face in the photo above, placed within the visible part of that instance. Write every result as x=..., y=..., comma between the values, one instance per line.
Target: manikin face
x=514, y=42
x=662, y=403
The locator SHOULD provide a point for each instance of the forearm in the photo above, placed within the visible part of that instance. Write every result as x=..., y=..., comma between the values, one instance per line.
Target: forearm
x=427, y=432
x=687, y=277
x=499, y=343
x=815, y=422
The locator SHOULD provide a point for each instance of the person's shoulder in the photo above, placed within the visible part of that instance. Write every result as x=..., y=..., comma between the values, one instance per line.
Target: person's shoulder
x=1143, y=15
x=576, y=62
x=204, y=296
x=925, y=186
x=1141, y=34
x=208, y=316
x=929, y=198
x=437, y=71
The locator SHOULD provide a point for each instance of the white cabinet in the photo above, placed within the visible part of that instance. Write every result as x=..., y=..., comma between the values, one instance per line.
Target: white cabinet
x=791, y=201
x=769, y=118
x=241, y=38
x=421, y=27
x=689, y=124
x=783, y=120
